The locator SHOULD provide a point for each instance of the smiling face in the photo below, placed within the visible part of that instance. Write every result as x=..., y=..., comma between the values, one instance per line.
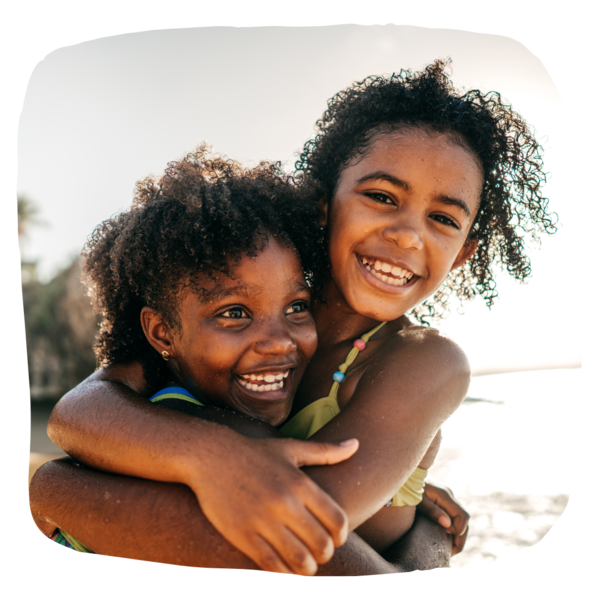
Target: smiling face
x=246, y=343
x=399, y=220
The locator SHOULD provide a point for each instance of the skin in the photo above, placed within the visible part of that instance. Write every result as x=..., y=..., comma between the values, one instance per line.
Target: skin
x=199, y=544
x=256, y=322
x=403, y=202
x=410, y=202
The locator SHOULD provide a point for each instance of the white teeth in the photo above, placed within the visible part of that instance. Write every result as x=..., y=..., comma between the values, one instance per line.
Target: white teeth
x=279, y=377
x=269, y=378
x=400, y=276
x=263, y=388
x=253, y=377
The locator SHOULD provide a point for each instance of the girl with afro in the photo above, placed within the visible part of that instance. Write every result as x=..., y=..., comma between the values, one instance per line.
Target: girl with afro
x=201, y=282
x=422, y=191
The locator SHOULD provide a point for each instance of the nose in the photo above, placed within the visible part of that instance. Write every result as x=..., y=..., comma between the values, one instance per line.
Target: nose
x=406, y=231
x=275, y=339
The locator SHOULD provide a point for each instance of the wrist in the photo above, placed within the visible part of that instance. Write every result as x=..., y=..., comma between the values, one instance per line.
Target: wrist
x=202, y=460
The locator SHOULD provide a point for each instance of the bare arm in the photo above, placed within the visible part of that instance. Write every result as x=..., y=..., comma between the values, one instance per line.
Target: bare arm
x=433, y=377
x=247, y=487
x=396, y=410
x=135, y=518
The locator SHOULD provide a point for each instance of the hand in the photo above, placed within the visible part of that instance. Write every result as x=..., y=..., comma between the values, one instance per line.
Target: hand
x=267, y=508
x=441, y=507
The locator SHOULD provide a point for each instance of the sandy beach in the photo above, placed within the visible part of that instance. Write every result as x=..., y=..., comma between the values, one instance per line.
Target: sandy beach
x=499, y=456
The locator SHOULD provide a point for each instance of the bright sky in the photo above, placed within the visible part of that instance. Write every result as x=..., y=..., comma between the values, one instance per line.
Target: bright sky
x=100, y=115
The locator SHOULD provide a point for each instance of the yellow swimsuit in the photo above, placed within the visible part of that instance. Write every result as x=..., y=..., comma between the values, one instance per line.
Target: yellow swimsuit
x=311, y=418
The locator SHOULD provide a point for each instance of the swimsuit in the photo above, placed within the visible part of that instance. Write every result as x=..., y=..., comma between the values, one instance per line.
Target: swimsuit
x=301, y=427
x=311, y=418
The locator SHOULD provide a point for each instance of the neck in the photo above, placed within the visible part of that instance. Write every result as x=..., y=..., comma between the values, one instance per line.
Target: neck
x=336, y=321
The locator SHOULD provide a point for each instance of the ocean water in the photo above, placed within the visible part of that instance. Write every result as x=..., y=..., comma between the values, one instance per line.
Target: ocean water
x=506, y=454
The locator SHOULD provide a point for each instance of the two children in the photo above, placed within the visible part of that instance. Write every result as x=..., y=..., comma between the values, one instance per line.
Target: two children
x=422, y=189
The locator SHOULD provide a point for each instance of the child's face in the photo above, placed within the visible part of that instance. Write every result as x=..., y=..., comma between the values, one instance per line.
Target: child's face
x=249, y=332
x=399, y=220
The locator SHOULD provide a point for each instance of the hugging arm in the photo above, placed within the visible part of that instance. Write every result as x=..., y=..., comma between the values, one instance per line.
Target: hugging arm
x=162, y=522
x=88, y=424
x=247, y=487
x=433, y=375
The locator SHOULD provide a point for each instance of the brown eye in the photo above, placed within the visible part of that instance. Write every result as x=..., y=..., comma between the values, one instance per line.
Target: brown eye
x=297, y=307
x=379, y=197
x=444, y=220
x=234, y=313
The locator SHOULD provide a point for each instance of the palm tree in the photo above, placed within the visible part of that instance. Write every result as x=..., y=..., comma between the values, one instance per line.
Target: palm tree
x=27, y=213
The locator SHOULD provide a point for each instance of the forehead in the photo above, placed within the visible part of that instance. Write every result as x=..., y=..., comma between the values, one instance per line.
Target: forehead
x=275, y=263
x=419, y=155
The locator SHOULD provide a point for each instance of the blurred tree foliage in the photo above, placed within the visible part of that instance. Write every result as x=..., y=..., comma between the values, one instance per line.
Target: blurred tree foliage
x=60, y=324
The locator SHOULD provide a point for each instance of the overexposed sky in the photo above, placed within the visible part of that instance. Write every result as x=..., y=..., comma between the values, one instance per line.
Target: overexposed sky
x=102, y=114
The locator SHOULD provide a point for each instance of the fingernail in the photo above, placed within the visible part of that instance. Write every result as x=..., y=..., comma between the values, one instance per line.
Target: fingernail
x=349, y=442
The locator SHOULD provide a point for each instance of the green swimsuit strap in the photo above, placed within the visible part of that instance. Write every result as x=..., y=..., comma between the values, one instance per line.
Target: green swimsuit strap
x=359, y=345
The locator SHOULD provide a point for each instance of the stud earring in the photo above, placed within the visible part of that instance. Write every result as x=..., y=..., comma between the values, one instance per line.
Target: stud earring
x=165, y=355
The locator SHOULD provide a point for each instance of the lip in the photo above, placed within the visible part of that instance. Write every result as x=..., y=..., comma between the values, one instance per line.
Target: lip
x=271, y=395
x=382, y=285
x=269, y=369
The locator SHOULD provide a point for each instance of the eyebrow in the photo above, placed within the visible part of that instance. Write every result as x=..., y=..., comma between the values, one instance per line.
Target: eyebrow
x=221, y=292
x=383, y=176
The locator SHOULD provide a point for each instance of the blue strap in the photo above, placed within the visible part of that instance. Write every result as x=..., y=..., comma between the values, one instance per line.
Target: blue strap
x=176, y=393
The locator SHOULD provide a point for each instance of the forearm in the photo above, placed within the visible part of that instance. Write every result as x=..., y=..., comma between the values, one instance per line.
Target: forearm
x=110, y=427
x=161, y=522
x=356, y=557
x=131, y=518
x=425, y=546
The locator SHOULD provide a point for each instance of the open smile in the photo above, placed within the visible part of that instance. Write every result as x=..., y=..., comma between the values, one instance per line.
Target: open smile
x=266, y=385
x=393, y=276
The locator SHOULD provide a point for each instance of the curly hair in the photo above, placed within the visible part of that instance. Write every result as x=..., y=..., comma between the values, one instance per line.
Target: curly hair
x=199, y=217
x=512, y=206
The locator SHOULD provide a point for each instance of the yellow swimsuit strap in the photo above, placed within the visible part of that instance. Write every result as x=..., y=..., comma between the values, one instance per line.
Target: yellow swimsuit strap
x=341, y=372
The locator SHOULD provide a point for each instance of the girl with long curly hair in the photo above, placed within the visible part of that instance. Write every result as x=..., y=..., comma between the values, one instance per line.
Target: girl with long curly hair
x=423, y=190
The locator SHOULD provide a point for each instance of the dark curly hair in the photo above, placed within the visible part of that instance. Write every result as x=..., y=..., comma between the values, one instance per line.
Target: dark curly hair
x=204, y=212
x=512, y=205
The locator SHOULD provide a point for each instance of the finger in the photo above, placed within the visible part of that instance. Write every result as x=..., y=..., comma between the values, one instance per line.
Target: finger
x=291, y=550
x=316, y=538
x=320, y=453
x=326, y=511
x=433, y=512
x=461, y=522
x=459, y=542
x=263, y=554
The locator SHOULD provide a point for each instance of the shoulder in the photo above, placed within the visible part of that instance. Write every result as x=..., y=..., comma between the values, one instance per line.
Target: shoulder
x=130, y=374
x=427, y=343
x=426, y=365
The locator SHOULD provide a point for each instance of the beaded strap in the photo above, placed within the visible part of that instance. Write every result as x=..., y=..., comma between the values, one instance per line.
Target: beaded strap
x=359, y=345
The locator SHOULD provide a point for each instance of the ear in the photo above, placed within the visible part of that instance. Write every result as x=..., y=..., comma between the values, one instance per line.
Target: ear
x=465, y=254
x=323, y=211
x=157, y=333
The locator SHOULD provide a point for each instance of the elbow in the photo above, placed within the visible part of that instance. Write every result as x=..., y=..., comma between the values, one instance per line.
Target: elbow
x=62, y=422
